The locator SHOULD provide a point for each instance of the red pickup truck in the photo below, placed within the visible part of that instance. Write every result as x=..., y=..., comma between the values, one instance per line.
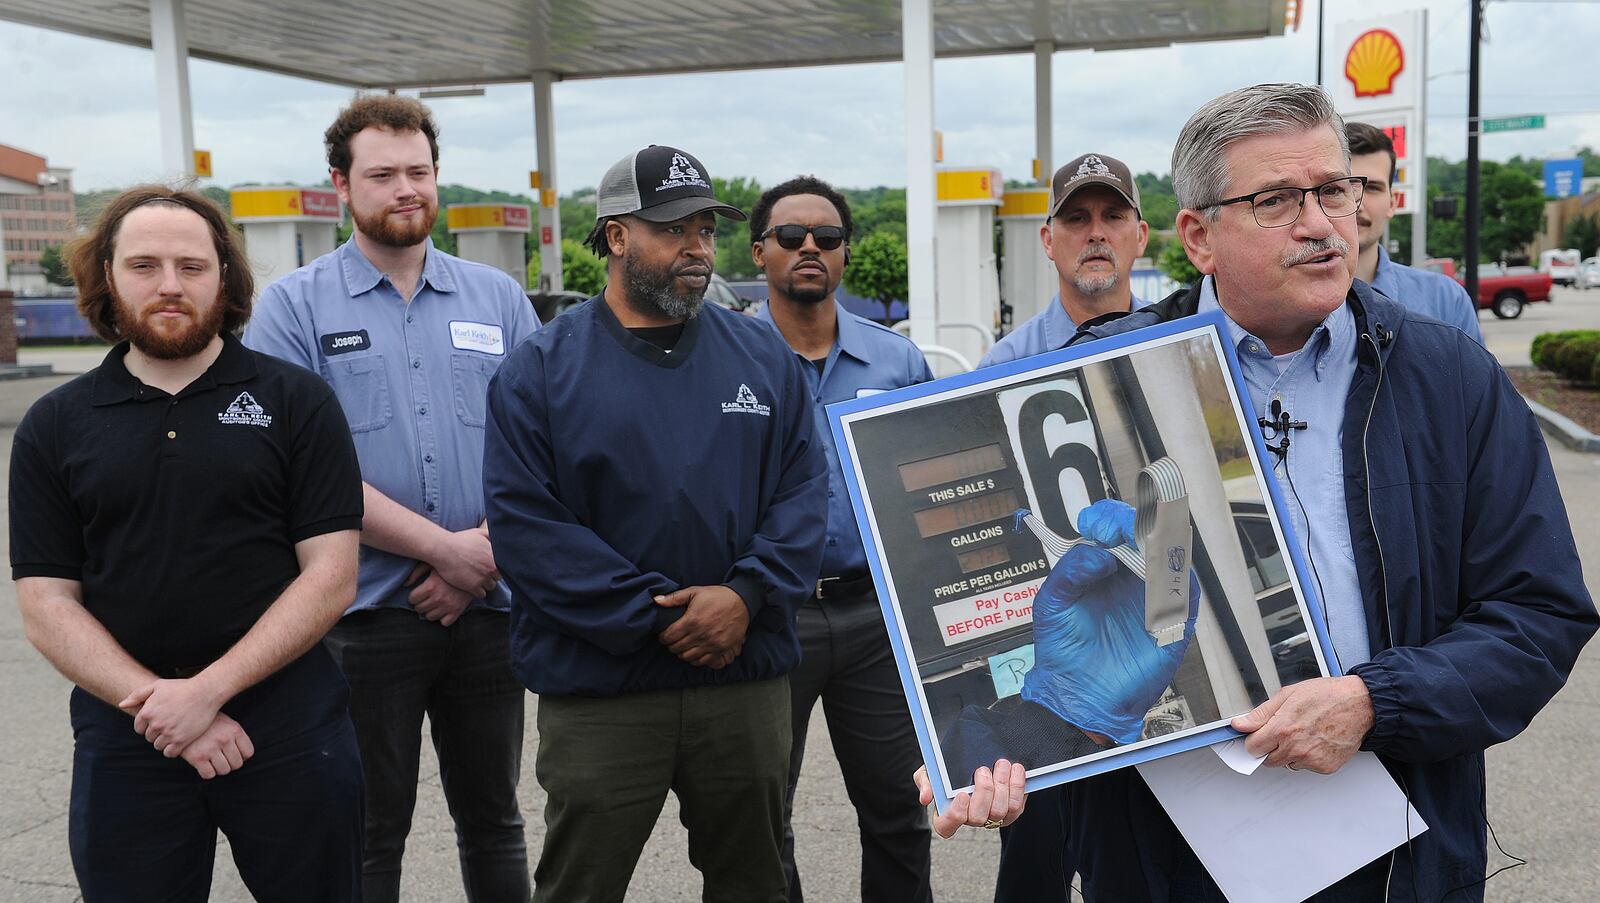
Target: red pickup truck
x=1502, y=291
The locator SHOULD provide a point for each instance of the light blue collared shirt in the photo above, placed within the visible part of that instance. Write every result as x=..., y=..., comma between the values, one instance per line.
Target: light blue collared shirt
x=1048, y=330
x=865, y=359
x=1433, y=294
x=1312, y=385
x=413, y=380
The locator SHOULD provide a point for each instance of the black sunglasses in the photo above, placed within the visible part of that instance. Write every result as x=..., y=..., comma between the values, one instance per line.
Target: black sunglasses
x=791, y=236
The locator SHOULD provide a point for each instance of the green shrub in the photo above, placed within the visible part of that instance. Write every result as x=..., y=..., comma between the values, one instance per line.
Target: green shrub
x=1575, y=360
x=1547, y=346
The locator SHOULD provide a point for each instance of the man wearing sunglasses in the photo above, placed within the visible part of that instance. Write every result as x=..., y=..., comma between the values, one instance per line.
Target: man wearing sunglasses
x=655, y=500
x=1419, y=484
x=1093, y=234
x=799, y=234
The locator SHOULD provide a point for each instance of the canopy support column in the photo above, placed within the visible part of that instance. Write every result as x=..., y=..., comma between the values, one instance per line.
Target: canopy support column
x=171, y=45
x=922, y=299
x=549, y=231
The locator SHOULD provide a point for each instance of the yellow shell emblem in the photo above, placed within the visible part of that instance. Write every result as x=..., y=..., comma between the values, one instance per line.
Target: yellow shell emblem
x=1373, y=62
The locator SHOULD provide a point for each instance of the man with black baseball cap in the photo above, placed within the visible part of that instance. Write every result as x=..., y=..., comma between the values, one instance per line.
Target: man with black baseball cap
x=1093, y=234
x=656, y=499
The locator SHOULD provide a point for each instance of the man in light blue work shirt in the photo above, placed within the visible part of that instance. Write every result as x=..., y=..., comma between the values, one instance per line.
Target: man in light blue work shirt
x=800, y=232
x=1435, y=294
x=1093, y=234
x=408, y=338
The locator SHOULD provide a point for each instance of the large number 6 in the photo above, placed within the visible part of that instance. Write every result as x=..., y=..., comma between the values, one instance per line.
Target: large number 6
x=1046, y=465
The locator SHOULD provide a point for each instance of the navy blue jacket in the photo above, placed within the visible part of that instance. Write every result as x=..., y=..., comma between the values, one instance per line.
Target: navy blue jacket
x=1476, y=609
x=615, y=471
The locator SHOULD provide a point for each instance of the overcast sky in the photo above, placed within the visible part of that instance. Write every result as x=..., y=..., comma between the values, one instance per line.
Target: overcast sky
x=90, y=105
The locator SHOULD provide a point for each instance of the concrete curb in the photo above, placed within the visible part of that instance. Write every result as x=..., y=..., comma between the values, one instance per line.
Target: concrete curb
x=1563, y=429
x=25, y=371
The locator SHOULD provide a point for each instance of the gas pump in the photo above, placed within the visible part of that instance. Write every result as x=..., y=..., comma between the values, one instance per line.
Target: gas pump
x=1027, y=277
x=284, y=227
x=968, y=282
x=493, y=234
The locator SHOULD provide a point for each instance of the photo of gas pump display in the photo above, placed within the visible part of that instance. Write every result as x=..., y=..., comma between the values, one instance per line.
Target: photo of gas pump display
x=1080, y=556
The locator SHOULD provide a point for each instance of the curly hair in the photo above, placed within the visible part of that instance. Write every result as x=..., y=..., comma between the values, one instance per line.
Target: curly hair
x=385, y=111
x=90, y=257
x=798, y=185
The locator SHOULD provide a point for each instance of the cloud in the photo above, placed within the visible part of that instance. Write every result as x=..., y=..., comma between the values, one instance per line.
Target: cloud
x=91, y=105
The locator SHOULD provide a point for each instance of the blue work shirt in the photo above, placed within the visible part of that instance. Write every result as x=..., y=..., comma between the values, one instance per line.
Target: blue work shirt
x=1048, y=330
x=1433, y=294
x=865, y=359
x=1313, y=385
x=412, y=378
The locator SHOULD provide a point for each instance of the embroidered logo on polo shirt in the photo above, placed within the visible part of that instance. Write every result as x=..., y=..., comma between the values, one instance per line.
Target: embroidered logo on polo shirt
x=245, y=410
x=745, y=403
x=345, y=342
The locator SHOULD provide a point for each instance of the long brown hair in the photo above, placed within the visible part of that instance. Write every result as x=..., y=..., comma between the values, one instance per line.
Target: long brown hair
x=90, y=257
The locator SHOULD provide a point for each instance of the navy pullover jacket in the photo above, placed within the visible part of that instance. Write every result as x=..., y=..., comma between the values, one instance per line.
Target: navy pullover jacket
x=615, y=471
x=1476, y=604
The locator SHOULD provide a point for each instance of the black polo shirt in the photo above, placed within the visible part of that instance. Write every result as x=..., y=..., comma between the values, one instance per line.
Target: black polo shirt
x=179, y=514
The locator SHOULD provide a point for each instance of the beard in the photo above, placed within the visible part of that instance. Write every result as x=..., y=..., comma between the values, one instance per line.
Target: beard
x=650, y=292
x=169, y=343
x=805, y=294
x=379, y=227
x=1090, y=284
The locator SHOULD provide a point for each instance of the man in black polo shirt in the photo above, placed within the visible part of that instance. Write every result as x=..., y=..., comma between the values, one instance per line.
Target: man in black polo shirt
x=184, y=527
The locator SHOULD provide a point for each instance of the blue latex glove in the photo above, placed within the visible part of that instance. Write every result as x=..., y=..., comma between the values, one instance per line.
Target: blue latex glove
x=1094, y=664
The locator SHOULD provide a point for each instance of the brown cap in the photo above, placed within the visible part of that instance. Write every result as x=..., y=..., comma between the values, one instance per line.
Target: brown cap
x=1093, y=169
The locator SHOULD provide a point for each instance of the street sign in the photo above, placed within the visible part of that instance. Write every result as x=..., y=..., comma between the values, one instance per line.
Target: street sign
x=202, y=164
x=1513, y=123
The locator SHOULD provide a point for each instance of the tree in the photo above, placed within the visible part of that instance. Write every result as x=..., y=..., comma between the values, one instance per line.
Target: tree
x=733, y=238
x=1583, y=233
x=54, y=267
x=581, y=271
x=1158, y=203
x=1174, y=261
x=878, y=269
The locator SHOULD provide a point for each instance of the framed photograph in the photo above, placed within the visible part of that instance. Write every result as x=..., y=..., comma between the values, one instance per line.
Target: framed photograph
x=1082, y=557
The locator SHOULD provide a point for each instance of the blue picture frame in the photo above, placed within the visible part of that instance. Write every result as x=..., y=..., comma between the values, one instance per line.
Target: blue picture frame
x=847, y=418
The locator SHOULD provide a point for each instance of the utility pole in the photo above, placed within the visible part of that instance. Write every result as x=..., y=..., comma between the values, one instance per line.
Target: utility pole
x=1474, y=202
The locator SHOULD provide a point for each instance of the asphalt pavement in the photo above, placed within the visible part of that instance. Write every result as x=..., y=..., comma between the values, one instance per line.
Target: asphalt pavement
x=1544, y=785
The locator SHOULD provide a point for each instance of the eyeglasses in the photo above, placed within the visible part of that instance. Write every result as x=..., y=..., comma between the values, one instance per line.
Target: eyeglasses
x=791, y=236
x=1275, y=208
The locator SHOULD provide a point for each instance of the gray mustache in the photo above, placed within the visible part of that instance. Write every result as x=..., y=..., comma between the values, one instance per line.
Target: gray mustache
x=1309, y=249
x=1098, y=250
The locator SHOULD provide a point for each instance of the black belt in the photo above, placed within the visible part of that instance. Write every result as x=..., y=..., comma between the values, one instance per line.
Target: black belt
x=841, y=587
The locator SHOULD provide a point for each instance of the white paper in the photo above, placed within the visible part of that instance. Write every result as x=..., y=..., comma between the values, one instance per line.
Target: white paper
x=1233, y=753
x=1277, y=834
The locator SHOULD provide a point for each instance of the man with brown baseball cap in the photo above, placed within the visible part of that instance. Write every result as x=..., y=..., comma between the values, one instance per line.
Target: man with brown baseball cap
x=1093, y=234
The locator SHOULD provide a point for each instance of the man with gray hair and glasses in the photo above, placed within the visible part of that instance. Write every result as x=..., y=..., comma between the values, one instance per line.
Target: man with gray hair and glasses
x=1419, y=484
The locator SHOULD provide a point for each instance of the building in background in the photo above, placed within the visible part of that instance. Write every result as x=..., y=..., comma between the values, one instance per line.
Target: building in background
x=37, y=211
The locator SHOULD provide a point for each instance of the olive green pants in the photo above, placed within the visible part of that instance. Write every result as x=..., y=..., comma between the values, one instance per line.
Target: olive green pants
x=607, y=764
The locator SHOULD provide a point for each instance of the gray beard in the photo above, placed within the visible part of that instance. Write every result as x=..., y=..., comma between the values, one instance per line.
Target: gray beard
x=651, y=295
x=1094, y=286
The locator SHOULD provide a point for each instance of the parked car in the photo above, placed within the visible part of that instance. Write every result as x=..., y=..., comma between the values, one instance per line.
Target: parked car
x=719, y=292
x=1287, y=631
x=1589, y=273
x=549, y=305
x=1505, y=291
x=1561, y=264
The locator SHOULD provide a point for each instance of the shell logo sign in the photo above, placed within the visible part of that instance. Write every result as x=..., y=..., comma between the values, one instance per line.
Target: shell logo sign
x=1375, y=58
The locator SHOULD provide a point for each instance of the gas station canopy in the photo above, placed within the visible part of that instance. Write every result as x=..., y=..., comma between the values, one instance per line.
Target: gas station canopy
x=423, y=43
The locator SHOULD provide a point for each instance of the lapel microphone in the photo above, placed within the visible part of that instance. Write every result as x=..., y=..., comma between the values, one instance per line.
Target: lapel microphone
x=1278, y=428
